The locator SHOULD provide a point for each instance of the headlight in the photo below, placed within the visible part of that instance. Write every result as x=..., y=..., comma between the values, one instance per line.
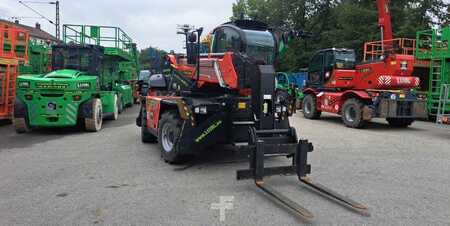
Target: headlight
x=24, y=85
x=201, y=110
x=84, y=85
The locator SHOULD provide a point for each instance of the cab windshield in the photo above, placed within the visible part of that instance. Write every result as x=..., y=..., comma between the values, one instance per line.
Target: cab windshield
x=260, y=45
x=345, y=59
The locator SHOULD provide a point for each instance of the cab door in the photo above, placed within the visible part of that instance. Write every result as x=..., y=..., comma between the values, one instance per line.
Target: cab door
x=316, y=71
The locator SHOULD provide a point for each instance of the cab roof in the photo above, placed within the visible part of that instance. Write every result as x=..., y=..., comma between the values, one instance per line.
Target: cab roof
x=249, y=25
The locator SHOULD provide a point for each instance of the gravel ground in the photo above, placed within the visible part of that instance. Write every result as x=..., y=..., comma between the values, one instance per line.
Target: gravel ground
x=55, y=177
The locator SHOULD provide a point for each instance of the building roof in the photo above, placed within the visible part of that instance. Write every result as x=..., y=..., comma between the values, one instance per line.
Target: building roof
x=34, y=32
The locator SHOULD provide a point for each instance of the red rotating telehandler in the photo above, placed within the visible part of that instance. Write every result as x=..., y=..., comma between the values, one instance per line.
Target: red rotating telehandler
x=381, y=88
x=228, y=97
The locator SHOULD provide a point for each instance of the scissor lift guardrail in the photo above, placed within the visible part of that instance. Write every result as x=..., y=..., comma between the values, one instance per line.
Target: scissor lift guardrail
x=114, y=39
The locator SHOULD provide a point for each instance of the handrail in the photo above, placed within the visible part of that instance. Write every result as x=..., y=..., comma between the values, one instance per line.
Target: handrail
x=374, y=50
x=434, y=43
x=106, y=36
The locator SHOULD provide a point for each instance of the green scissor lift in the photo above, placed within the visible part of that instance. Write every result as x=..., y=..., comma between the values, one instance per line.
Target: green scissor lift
x=39, y=59
x=93, y=71
x=434, y=45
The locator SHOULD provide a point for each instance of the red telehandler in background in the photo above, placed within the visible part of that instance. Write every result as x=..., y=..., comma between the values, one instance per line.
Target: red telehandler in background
x=379, y=88
x=13, y=48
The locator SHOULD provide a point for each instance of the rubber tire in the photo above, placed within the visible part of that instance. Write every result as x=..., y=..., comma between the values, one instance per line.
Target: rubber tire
x=400, y=122
x=170, y=119
x=358, y=121
x=120, y=105
x=115, y=114
x=94, y=124
x=146, y=137
x=21, y=125
x=314, y=113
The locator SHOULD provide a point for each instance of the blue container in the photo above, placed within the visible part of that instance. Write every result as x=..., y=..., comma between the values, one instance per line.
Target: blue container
x=298, y=78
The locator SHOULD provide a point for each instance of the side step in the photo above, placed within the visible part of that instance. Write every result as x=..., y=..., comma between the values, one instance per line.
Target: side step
x=284, y=142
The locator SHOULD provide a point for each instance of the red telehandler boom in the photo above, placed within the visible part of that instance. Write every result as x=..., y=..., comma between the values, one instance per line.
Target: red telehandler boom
x=379, y=88
x=384, y=19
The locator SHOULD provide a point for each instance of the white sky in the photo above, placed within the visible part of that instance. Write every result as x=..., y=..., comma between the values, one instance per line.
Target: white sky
x=148, y=22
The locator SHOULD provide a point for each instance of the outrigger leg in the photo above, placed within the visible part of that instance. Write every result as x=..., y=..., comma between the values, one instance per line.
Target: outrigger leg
x=284, y=142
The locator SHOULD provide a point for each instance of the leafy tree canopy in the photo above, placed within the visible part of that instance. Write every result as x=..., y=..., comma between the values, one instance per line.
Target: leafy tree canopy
x=150, y=58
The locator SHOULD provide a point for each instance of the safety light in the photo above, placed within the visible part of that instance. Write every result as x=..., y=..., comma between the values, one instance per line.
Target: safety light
x=84, y=85
x=24, y=85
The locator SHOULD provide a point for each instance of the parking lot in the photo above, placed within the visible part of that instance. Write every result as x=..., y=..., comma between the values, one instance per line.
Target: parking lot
x=71, y=177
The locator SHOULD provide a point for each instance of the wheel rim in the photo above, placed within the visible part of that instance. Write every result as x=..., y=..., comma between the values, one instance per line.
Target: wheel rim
x=99, y=116
x=167, y=138
x=350, y=114
x=307, y=107
x=116, y=107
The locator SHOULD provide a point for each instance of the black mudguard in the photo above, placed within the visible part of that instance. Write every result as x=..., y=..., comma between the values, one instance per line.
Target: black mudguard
x=210, y=132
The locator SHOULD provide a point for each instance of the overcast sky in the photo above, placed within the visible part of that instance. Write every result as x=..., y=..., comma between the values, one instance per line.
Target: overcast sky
x=148, y=22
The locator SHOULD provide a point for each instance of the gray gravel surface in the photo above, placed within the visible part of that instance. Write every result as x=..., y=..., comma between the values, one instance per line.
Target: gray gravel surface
x=68, y=177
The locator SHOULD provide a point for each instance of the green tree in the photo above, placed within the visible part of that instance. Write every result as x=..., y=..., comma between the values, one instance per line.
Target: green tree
x=151, y=58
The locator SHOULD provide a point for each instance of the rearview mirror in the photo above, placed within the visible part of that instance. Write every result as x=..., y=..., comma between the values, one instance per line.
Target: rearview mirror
x=192, y=37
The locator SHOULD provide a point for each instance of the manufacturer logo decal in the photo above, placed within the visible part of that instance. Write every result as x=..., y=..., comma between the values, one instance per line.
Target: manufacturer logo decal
x=208, y=131
x=51, y=85
x=403, y=81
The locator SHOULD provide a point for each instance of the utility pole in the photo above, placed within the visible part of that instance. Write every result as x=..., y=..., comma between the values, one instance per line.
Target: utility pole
x=57, y=17
x=58, y=34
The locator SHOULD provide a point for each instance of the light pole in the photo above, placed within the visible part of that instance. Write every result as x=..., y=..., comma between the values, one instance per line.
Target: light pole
x=57, y=19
